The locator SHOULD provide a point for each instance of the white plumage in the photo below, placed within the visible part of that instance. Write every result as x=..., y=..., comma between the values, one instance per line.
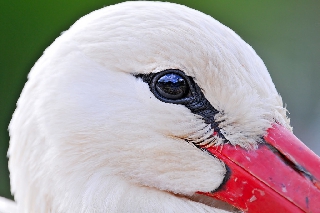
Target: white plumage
x=88, y=136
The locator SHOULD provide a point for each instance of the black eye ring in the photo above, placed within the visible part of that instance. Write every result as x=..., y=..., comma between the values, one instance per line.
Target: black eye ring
x=171, y=86
x=187, y=93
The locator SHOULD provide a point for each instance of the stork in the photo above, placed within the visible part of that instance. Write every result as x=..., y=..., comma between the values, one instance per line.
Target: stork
x=155, y=107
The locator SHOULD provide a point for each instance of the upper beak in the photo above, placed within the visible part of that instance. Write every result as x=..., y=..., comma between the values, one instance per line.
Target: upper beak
x=281, y=175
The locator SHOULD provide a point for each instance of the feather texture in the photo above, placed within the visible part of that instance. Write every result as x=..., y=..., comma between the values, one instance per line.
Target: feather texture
x=87, y=136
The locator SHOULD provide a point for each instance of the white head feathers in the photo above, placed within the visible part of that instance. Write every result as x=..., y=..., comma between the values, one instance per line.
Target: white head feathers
x=84, y=117
x=232, y=76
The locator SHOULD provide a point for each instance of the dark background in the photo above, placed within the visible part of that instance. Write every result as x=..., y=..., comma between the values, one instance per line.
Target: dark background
x=284, y=33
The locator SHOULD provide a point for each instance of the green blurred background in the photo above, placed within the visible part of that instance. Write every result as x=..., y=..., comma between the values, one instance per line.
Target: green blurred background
x=284, y=33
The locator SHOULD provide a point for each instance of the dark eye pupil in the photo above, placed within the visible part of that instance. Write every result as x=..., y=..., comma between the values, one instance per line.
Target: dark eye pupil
x=172, y=86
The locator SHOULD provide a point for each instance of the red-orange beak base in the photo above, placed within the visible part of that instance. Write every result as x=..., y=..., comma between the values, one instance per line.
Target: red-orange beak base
x=281, y=175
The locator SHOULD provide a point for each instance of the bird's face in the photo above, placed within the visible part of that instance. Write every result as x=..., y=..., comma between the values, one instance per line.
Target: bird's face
x=140, y=91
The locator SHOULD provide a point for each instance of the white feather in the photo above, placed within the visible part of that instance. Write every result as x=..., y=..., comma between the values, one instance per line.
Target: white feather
x=7, y=206
x=87, y=136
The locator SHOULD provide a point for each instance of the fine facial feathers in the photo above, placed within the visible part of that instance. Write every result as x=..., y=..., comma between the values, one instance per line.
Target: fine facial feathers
x=88, y=135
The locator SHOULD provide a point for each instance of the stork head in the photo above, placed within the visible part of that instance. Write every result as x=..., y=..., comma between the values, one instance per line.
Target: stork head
x=155, y=95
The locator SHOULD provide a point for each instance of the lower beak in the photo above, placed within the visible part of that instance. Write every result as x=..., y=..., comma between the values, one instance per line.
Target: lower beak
x=281, y=175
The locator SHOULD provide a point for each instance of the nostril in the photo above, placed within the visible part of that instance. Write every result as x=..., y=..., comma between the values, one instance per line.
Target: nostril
x=295, y=166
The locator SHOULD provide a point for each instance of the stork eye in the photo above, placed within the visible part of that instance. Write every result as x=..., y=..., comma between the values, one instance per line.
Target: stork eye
x=172, y=86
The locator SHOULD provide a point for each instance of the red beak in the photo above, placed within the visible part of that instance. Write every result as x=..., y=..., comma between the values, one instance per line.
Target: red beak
x=282, y=175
